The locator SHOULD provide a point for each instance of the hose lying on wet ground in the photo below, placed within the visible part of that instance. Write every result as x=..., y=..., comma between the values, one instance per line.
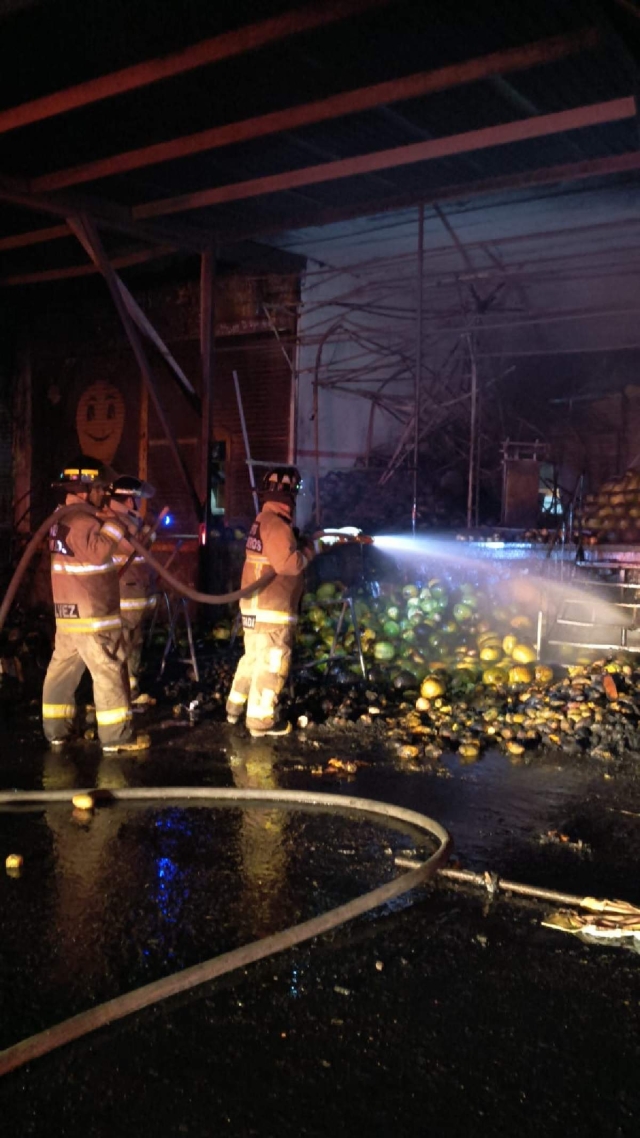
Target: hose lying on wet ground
x=76, y=1027
x=494, y=885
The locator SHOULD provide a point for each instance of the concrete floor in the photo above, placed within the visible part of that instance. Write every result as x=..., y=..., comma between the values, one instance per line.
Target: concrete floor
x=452, y=1013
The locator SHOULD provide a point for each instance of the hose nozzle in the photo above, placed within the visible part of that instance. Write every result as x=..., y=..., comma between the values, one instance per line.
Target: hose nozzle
x=346, y=535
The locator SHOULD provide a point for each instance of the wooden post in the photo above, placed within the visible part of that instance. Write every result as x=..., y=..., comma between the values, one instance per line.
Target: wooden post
x=22, y=431
x=207, y=281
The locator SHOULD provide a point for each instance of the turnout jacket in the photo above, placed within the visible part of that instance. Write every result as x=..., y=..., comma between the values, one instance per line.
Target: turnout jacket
x=135, y=585
x=272, y=544
x=84, y=579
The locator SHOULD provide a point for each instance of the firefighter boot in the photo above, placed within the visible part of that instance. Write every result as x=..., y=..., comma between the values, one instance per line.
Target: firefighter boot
x=130, y=746
x=143, y=700
x=277, y=729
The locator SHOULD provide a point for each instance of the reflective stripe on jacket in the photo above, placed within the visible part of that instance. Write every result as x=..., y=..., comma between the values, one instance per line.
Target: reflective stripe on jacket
x=135, y=584
x=84, y=579
x=272, y=544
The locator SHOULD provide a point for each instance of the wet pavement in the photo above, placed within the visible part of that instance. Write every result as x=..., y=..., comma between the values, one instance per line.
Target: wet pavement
x=452, y=1012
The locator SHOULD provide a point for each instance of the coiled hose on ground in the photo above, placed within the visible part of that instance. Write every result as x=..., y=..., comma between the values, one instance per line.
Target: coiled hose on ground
x=121, y=1006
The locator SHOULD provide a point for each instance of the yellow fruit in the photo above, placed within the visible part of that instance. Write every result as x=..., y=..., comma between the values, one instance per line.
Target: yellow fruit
x=432, y=688
x=509, y=643
x=494, y=676
x=520, y=675
x=408, y=752
x=490, y=654
x=488, y=638
x=524, y=654
x=468, y=751
x=515, y=748
x=83, y=801
x=543, y=674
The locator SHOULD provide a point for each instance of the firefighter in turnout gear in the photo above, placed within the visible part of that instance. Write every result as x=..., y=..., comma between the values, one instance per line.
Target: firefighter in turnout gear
x=87, y=609
x=137, y=596
x=269, y=617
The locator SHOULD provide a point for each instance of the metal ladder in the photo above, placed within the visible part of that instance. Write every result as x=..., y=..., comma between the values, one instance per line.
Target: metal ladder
x=179, y=608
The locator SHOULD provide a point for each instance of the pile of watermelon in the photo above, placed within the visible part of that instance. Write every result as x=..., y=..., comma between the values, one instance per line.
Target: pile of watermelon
x=458, y=632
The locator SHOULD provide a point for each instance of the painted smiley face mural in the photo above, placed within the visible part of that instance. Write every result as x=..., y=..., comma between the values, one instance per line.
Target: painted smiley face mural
x=100, y=420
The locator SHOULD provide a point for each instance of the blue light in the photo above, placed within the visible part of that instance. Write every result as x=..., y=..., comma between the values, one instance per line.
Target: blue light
x=166, y=869
x=168, y=520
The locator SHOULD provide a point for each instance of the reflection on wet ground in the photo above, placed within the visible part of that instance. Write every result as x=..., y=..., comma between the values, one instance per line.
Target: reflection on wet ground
x=140, y=892
x=448, y=1009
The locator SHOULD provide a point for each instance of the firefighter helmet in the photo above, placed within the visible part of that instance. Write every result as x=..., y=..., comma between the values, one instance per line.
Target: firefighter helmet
x=126, y=486
x=83, y=472
x=281, y=483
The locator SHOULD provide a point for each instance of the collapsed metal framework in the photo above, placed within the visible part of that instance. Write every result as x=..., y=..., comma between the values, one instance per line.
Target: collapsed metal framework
x=389, y=369
x=419, y=349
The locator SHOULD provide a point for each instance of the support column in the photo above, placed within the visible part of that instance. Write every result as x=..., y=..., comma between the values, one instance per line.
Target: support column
x=418, y=365
x=207, y=283
x=21, y=443
x=207, y=316
x=472, y=429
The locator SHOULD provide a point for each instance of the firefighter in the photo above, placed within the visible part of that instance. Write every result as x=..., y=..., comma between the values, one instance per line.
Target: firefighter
x=87, y=609
x=137, y=596
x=269, y=617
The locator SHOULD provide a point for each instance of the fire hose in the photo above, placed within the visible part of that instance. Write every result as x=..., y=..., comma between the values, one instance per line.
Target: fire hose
x=163, y=572
x=79, y=1025
x=140, y=548
x=419, y=873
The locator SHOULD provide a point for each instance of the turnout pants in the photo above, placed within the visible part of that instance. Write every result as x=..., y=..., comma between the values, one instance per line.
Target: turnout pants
x=101, y=653
x=261, y=674
x=132, y=642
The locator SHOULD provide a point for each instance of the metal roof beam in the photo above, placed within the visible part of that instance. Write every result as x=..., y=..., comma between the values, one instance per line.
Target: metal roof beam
x=106, y=213
x=461, y=191
x=236, y=42
x=120, y=261
x=456, y=144
x=322, y=110
x=519, y=131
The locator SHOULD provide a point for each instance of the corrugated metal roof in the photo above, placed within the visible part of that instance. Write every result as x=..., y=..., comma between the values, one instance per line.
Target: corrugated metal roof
x=387, y=42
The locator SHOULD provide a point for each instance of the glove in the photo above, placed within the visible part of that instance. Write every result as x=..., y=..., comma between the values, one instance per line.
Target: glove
x=307, y=547
x=146, y=535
